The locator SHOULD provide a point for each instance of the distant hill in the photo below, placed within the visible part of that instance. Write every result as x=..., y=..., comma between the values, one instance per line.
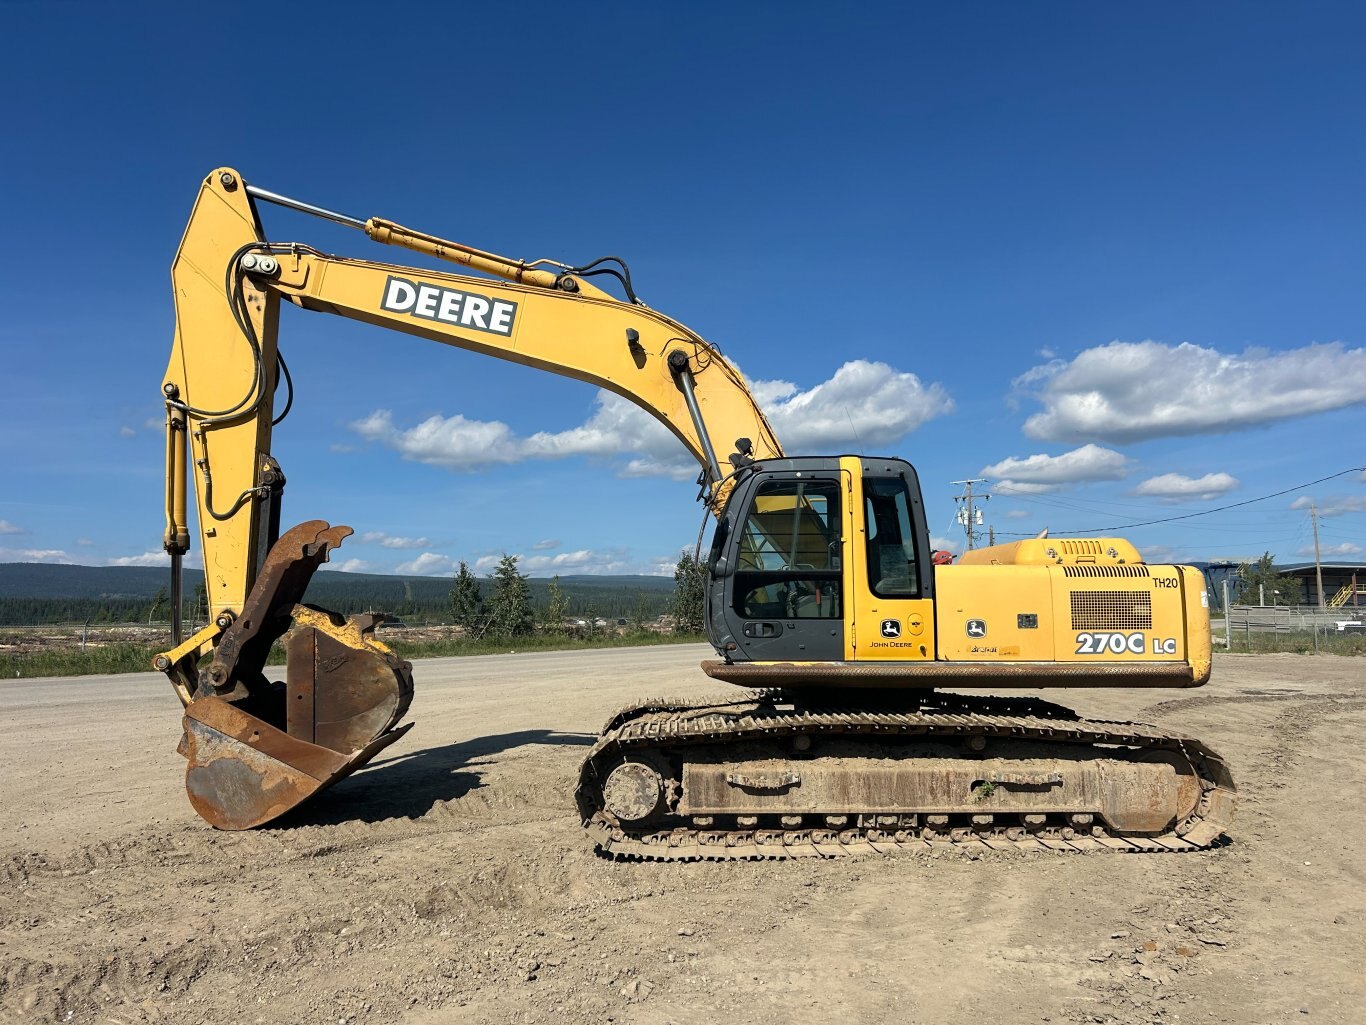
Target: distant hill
x=43, y=580
x=42, y=592
x=46, y=580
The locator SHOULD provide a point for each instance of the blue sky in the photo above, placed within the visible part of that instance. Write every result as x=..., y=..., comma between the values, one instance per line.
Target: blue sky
x=1112, y=260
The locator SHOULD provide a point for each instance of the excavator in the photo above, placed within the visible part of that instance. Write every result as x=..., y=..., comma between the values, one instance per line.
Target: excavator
x=851, y=643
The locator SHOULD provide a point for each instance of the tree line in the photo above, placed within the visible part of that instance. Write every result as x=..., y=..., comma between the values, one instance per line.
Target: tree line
x=512, y=598
x=502, y=605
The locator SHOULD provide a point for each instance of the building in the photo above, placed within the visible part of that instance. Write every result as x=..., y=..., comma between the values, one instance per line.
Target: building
x=1344, y=583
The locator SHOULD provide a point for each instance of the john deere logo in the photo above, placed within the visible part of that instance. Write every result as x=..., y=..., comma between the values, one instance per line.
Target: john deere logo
x=891, y=628
x=457, y=308
x=977, y=627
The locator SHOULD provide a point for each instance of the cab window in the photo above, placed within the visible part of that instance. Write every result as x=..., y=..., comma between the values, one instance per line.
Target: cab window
x=788, y=563
x=891, y=539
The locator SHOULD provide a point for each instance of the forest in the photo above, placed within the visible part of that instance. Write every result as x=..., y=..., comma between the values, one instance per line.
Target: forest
x=34, y=594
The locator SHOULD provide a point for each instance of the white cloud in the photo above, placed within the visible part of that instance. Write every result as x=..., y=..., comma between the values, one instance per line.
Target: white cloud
x=545, y=545
x=945, y=544
x=379, y=537
x=453, y=442
x=660, y=566
x=126, y=432
x=1020, y=487
x=677, y=465
x=428, y=564
x=1131, y=391
x=1177, y=487
x=582, y=562
x=1038, y=474
x=84, y=542
x=1328, y=551
x=1017, y=514
x=863, y=405
x=34, y=555
x=349, y=566
x=156, y=558
x=6, y=527
x=1333, y=505
x=616, y=427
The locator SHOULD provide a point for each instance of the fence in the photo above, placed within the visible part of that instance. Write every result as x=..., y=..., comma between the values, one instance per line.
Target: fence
x=1244, y=622
x=1289, y=618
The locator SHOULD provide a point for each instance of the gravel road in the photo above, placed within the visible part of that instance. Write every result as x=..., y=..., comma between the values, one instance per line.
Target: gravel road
x=449, y=882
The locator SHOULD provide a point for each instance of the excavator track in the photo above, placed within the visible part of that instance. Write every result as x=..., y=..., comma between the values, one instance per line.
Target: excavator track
x=771, y=775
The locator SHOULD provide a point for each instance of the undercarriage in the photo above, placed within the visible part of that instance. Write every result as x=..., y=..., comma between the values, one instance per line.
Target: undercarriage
x=773, y=774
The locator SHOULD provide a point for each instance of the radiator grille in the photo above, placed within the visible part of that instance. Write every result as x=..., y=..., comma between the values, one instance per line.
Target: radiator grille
x=1105, y=571
x=1112, y=610
x=1080, y=547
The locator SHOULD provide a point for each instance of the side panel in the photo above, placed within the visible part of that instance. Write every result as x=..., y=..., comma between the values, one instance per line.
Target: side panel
x=995, y=613
x=1073, y=614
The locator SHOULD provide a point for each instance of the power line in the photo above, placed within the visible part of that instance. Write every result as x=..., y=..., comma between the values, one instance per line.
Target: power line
x=1222, y=508
x=1088, y=505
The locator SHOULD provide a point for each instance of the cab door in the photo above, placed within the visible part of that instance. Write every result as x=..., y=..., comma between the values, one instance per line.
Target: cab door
x=891, y=575
x=784, y=565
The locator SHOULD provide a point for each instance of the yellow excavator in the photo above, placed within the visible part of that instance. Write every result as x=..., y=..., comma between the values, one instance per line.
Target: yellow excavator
x=822, y=598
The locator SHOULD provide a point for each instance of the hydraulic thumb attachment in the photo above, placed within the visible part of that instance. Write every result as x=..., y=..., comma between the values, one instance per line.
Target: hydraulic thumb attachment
x=258, y=748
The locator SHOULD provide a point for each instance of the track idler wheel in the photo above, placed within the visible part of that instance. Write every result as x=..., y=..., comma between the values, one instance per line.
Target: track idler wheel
x=257, y=748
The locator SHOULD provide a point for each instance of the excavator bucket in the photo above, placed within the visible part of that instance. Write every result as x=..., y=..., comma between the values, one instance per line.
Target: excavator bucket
x=257, y=748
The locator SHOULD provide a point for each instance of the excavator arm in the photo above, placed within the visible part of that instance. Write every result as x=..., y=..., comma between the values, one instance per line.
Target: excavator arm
x=258, y=747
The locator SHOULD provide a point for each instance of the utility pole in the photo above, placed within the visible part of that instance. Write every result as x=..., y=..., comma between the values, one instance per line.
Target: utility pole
x=969, y=517
x=1228, y=620
x=1318, y=565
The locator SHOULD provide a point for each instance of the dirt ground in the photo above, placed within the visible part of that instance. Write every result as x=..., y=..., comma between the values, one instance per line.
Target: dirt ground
x=450, y=882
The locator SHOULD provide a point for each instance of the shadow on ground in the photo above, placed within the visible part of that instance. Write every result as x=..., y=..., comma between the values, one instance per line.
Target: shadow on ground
x=410, y=784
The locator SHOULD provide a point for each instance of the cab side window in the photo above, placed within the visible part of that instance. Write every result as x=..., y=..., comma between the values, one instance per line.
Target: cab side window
x=788, y=564
x=891, y=539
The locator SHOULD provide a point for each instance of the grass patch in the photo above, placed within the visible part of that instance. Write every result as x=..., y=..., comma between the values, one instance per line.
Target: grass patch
x=103, y=659
x=411, y=649
x=121, y=657
x=1297, y=642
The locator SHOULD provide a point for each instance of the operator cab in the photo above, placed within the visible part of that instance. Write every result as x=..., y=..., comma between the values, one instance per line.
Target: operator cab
x=809, y=547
